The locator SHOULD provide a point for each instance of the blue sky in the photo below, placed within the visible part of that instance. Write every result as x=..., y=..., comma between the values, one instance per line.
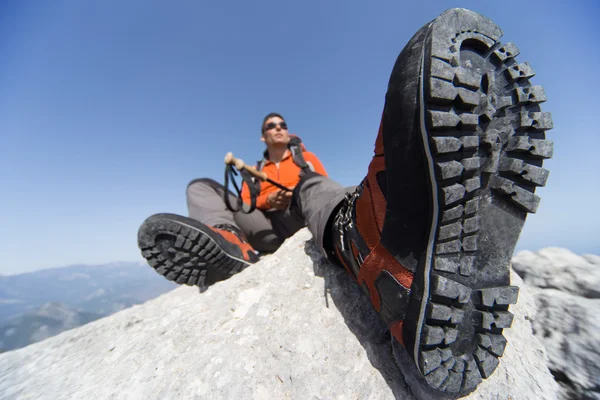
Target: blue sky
x=108, y=109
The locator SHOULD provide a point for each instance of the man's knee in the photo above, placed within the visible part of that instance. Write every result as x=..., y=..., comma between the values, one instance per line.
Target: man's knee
x=200, y=185
x=202, y=182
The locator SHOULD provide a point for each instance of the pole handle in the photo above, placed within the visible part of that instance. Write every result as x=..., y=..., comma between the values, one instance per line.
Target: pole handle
x=239, y=164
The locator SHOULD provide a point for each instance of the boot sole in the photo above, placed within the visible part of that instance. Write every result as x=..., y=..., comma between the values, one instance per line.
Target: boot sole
x=186, y=251
x=484, y=138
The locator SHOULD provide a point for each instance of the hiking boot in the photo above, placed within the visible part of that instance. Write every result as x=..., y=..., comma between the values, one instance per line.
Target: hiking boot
x=188, y=252
x=430, y=231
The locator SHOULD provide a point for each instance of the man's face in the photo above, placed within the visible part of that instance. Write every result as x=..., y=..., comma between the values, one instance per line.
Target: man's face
x=275, y=132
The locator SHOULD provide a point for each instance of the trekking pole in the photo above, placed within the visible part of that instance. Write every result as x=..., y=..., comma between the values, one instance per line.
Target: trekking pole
x=239, y=164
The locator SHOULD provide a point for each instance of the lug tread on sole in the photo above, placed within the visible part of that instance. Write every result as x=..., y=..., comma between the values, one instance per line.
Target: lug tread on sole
x=184, y=255
x=461, y=103
x=487, y=136
x=445, y=312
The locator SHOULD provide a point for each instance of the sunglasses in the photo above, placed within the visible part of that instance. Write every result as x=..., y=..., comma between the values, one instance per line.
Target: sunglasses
x=273, y=125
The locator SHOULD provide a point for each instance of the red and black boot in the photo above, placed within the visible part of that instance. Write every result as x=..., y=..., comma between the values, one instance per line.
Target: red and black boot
x=430, y=231
x=189, y=252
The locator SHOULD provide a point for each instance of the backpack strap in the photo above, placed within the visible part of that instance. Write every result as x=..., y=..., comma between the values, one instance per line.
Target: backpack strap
x=297, y=148
x=260, y=164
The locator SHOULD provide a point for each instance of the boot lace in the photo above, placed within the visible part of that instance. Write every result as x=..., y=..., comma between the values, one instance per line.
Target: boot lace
x=343, y=220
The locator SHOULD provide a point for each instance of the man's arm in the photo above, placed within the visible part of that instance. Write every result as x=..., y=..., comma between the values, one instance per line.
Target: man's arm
x=261, y=199
x=270, y=196
x=316, y=163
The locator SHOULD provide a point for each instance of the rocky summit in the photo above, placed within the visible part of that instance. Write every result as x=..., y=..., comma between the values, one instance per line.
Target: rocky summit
x=290, y=326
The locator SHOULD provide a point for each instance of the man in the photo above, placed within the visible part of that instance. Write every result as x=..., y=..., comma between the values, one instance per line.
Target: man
x=279, y=166
x=224, y=242
x=429, y=232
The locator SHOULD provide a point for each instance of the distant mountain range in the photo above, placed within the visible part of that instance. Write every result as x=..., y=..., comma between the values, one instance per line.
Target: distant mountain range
x=48, y=320
x=41, y=304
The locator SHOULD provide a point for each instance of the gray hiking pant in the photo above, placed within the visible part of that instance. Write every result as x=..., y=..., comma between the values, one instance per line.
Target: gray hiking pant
x=315, y=198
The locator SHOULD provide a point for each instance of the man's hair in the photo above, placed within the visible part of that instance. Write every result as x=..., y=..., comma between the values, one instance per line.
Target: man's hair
x=265, y=119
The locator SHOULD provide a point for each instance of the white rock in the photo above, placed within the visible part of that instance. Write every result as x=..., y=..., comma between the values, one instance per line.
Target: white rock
x=567, y=288
x=262, y=334
x=557, y=268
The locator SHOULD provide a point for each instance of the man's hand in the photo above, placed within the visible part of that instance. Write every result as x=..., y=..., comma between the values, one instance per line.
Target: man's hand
x=279, y=200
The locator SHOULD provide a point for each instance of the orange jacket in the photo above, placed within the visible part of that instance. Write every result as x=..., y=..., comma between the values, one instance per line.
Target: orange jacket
x=288, y=174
